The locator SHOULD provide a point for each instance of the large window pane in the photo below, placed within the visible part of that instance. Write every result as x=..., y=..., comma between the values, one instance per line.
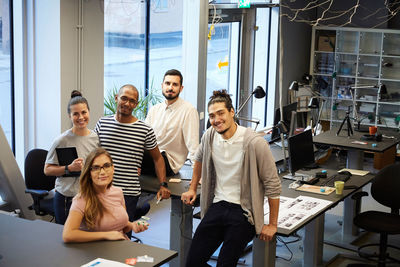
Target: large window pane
x=165, y=39
x=124, y=44
x=6, y=107
x=222, y=60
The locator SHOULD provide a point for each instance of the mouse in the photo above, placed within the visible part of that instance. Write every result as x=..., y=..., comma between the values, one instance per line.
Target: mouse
x=345, y=173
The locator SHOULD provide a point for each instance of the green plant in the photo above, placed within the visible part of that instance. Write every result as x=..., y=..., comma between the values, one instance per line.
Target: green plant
x=110, y=106
x=140, y=112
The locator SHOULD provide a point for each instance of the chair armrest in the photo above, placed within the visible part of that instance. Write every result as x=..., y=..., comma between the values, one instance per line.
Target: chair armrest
x=359, y=195
x=37, y=192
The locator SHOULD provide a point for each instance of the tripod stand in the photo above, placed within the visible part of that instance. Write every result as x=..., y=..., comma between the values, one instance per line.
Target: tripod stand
x=349, y=127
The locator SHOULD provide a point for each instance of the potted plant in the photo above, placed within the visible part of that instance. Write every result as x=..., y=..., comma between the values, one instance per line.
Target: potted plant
x=140, y=112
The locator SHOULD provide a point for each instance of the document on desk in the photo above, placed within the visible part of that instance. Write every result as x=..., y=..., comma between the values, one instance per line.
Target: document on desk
x=293, y=211
x=99, y=262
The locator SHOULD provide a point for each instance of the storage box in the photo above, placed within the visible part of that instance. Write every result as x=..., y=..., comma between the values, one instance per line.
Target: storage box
x=386, y=158
x=326, y=43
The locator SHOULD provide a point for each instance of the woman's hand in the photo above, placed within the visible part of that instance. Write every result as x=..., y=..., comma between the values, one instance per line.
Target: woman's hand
x=139, y=226
x=76, y=165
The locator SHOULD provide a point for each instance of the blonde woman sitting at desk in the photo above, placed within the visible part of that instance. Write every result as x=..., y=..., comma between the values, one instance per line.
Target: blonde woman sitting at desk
x=98, y=212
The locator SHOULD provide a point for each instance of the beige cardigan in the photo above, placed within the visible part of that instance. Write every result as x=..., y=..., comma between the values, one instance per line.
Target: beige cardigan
x=259, y=176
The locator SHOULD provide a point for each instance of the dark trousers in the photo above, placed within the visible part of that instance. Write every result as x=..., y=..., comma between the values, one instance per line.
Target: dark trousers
x=148, y=164
x=61, y=204
x=224, y=223
x=131, y=203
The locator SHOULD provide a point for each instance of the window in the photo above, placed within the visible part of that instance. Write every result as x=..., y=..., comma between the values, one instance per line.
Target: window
x=143, y=39
x=165, y=41
x=160, y=5
x=124, y=44
x=127, y=57
x=6, y=88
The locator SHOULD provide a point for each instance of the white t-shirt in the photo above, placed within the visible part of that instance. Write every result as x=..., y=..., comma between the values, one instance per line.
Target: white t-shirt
x=227, y=156
x=69, y=186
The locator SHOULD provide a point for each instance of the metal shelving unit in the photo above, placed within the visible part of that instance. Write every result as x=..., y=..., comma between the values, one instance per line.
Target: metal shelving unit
x=357, y=69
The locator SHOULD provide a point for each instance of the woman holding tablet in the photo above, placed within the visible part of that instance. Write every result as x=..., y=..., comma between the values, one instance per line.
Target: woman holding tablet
x=84, y=140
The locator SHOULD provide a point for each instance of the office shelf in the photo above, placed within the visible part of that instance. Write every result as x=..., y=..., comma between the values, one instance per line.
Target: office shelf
x=349, y=67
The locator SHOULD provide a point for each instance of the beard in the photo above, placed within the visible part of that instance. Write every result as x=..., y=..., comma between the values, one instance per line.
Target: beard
x=170, y=97
x=223, y=131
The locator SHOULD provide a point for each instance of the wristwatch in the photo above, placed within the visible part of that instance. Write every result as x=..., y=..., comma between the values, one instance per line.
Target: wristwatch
x=165, y=184
x=67, y=172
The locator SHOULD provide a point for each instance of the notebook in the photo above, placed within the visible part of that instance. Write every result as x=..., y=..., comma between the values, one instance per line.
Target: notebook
x=66, y=156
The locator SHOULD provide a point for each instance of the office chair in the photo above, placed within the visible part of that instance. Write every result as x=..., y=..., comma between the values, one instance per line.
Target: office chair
x=385, y=189
x=37, y=183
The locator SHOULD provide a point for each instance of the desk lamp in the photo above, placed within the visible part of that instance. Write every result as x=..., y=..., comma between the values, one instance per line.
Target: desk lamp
x=381, y=91
x=258, y=93
x=315, y=104
x=294, y=86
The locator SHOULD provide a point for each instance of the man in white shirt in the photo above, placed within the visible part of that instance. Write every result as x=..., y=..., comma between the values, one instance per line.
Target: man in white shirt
x=237, y=170
x=176, y=126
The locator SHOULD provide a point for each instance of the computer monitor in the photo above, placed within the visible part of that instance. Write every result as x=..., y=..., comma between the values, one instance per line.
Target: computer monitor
x=12, y=184
x=287, y=114
x=301, y=151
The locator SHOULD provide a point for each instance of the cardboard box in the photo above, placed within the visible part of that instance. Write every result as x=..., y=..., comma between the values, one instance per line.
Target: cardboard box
x=326, y=43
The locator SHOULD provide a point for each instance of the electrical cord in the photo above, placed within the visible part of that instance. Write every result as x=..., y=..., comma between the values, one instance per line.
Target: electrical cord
x=285, y=243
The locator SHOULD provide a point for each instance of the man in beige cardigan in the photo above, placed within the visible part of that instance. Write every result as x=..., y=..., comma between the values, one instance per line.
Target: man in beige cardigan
x=237, y=170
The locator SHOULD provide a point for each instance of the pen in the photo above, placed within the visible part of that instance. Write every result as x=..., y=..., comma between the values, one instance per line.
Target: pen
x=158, y=200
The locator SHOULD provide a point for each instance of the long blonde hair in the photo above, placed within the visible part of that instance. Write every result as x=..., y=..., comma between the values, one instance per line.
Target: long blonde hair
x=94, y=209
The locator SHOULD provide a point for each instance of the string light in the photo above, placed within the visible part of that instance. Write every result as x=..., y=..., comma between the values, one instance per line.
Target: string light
x=291, y=10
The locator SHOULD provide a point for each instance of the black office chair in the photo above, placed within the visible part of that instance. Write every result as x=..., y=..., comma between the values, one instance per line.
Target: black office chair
x=37, y=183
x=385, y=189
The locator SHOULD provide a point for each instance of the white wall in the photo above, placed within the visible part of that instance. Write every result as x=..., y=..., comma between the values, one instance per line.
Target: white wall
x=47, y=67
x=92, y=75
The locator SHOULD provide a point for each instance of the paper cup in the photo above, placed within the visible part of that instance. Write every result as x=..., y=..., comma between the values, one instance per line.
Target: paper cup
x=339, y=185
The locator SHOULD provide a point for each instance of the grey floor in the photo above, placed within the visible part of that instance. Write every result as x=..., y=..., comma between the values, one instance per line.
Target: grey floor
x=292, y=254
x=158, y=234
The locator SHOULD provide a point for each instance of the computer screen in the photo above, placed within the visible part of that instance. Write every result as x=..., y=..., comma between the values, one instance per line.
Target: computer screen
x=301, y=151
x=12, y=185
x=287, y=114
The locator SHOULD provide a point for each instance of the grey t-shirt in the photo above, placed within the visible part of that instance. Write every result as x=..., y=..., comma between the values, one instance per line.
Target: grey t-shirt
x=69, y=186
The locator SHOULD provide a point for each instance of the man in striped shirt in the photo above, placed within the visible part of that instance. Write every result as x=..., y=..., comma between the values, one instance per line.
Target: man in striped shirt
x=126, y=138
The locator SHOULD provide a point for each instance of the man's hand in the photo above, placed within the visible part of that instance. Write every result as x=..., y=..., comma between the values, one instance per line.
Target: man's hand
x=163, y=193
x=268, y=232
x=189, y=197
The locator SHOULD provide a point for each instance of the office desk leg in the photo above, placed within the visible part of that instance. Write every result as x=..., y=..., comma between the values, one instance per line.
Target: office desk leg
x=264, y=253
x=349, y=212
x=181, y=228
x=355, y=159
x=313, y=242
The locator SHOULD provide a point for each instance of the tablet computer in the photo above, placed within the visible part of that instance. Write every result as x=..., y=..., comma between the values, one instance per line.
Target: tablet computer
x=66, y=155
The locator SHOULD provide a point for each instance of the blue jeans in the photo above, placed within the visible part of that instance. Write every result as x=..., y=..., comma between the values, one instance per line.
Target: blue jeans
x=131, y=203
x=224, y=223
x=62, y=204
